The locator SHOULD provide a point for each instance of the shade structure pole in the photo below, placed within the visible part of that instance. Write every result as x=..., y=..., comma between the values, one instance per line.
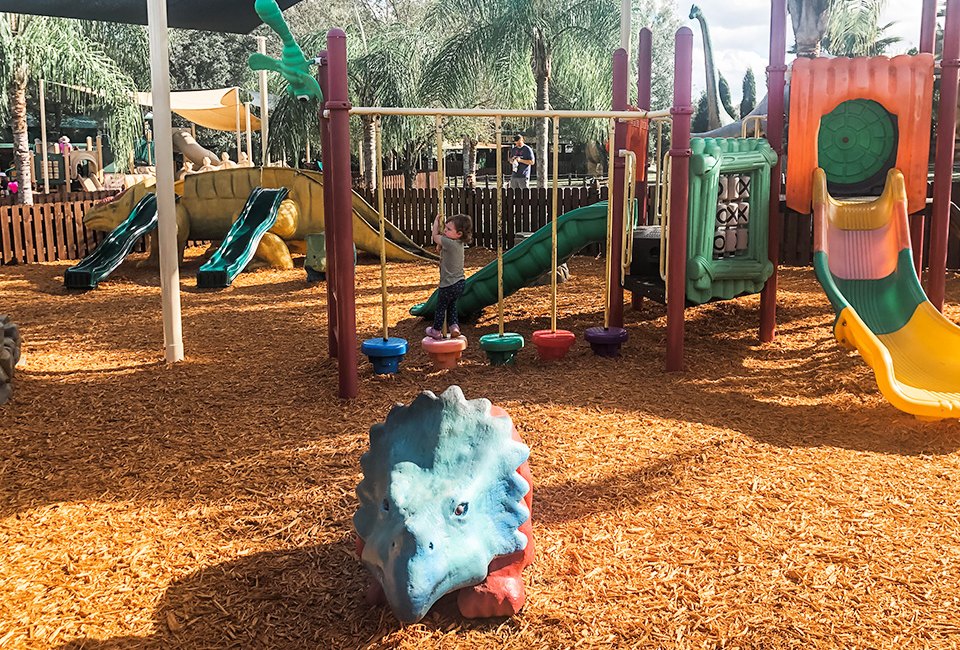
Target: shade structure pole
x=249, y=135
x=776, y=74
x=237, y=110
x=264, y=108
x=166, y=202
x=43, y=139
x=943, y=162
x=625, y=11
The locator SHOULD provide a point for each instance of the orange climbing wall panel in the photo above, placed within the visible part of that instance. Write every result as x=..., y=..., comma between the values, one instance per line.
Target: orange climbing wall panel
x=903, y=85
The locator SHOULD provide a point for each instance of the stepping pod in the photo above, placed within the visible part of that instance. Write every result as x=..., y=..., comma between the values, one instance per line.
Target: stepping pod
x=553, y=344
x=445, y=353
x=501, y=349
x=606, y=341
x=385, y=354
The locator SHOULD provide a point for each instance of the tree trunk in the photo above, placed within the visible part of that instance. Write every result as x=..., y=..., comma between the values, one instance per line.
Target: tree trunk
x=469, y=161
x=369, y=152
x=408, y=164
x=541, y=72
x=21, y=147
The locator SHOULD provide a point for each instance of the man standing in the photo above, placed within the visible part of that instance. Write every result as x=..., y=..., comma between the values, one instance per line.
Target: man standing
x=521, y=159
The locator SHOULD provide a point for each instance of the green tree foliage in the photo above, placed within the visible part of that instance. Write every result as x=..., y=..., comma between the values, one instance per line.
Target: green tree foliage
x=37, y=47
x=700, y=122
x=725, y=99
x=749, y=100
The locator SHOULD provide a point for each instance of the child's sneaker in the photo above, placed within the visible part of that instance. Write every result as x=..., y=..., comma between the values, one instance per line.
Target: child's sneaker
x=454, y=332
x=433, y=333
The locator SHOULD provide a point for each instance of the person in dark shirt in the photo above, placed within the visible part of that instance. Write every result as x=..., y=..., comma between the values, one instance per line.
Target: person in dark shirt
x=521, y=158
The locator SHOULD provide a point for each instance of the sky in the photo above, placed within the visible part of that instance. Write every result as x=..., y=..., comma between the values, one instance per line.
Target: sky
x=740, y=32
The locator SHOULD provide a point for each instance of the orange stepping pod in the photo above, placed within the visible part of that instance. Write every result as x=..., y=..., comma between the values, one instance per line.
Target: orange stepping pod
x=445, y=353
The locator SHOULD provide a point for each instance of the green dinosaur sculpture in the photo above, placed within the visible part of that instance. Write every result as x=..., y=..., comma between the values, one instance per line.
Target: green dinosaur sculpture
x=292, y=65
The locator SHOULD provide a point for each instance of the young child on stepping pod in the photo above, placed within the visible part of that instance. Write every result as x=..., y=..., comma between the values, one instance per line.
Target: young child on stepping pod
x=457, y=231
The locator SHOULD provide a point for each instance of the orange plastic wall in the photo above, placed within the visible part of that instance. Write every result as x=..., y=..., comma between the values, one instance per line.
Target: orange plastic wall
x=903, y=85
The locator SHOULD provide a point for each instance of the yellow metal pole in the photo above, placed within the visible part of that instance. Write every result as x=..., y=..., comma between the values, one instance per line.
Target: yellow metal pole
x=606, y=277
x=441, y=172
x=383, y=230
x=553, y=223
x=628, y=211
x=499, y=136
x=441, y=177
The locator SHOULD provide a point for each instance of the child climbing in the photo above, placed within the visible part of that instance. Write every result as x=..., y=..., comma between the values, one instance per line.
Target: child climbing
x=457, y=231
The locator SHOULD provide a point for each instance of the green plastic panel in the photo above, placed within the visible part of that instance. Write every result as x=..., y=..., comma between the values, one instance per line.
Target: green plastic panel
x=739, y=264
x=856, y=145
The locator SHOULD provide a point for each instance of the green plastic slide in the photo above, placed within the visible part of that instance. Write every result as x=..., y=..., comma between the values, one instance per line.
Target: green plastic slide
x=111, y=251
x=238, y=247
x=527, y=261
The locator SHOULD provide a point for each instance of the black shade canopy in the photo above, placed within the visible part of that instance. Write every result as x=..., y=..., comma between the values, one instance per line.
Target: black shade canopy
x=236, y=16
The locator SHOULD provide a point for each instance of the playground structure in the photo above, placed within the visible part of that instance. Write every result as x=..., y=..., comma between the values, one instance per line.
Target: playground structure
x=60, y=164
x=223, y=205
x=694, y=272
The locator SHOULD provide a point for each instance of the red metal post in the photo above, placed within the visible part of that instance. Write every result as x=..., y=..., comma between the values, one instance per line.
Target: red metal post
x=618, y=165
x=943, y=163
x=679, y=188
x=327, y=163
x=341, y=216
x=928, y=30
x=928, y=26
x=776, y=72
x=644, y=68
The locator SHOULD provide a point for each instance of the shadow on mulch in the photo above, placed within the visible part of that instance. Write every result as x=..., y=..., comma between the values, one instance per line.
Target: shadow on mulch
x=308, y=597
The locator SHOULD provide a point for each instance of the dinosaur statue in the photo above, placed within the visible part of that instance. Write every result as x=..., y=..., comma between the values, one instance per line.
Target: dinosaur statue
x=809, y=19
x=292, y=64
x=209, y=203
x=445, y=505
x=713, y=111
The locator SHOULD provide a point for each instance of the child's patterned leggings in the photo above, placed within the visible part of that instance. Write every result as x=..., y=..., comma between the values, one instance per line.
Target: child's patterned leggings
x=447, y=305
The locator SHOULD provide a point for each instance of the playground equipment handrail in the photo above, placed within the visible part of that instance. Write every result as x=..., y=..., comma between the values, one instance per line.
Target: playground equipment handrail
x=502, y=112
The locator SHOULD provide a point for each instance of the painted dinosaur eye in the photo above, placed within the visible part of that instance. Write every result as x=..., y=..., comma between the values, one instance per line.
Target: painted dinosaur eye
x=461, y=509
x=385, y=505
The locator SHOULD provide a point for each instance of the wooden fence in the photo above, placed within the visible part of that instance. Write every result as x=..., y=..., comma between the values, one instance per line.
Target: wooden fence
x=61, y=197
x=413, y=211
x=48, y=232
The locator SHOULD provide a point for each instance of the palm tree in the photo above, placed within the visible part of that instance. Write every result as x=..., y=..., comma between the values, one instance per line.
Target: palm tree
x=38, y=47
x=843, y=19
x=854, y=29
x=518, y=44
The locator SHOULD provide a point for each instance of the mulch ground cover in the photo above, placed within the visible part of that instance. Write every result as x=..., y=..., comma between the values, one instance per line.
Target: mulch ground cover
x=766, y=497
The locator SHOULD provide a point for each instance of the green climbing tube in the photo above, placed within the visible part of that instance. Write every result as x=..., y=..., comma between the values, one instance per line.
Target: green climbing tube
x=527, y=261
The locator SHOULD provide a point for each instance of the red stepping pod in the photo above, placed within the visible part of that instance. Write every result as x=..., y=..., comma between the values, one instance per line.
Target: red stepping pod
x=553, y=344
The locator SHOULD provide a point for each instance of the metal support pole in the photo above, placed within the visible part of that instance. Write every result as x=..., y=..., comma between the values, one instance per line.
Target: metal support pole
x=249, y=133
x=237, y=111
x=679, y=188
x=644, y=75
x=330, y=228
x=166, y=201
x=776, y=72
x=616, y=163
x=928, y=30
x=264, y=107
x=625, y=11
x=338, y=105
x=943, y=163
x=43, y=139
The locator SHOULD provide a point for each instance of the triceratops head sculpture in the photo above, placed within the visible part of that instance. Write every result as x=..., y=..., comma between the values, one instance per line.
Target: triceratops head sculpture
x=445, y=504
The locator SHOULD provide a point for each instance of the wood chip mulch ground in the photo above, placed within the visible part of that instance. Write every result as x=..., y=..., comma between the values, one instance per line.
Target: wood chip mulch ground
x=767, y=497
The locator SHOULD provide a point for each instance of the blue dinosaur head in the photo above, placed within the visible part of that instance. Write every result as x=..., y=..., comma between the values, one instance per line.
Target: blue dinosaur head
x=440, y=498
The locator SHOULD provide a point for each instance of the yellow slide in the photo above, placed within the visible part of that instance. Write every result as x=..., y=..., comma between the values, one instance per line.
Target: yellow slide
x=863, y=261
